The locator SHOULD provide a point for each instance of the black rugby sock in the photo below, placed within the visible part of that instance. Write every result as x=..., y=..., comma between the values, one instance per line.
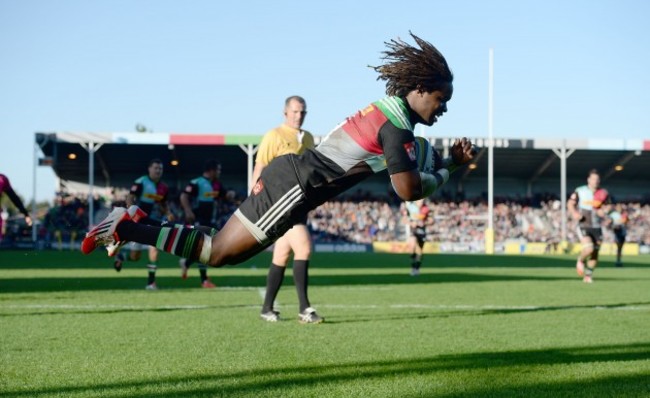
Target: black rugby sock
x=273, y=283
x=203, y=270
x=152, y=273
x=300, y=278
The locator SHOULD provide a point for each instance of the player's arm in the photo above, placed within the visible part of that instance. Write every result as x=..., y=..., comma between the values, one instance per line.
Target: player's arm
x=402, y=168
x=408, y=182
x=608, y=219
x=264, y=156
x=164, y=205
x=130, y=200
x=257, y=171
x=185, y=200
x=134, y=194
x=15, y=199
x=606, y=207
x=572, y=206
x=602, y=212
x=462, y=152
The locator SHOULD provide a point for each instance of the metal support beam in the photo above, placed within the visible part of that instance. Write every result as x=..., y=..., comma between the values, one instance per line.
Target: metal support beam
x=542, y=168
x=250, y=150
x=620, y=162
x=37, y=145
x=104, y=169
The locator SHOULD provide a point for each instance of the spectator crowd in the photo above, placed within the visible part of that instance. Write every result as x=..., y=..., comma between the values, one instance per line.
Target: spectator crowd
x=462, y=222
x=364, y=219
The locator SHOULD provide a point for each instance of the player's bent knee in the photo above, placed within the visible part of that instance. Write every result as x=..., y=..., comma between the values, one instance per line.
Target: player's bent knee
x=216, y=260
x=280, y=261
x=281, y=254
x=302, y=253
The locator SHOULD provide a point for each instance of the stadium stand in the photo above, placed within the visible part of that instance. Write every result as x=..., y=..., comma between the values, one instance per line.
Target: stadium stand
x=528, y=203
x=522, y=167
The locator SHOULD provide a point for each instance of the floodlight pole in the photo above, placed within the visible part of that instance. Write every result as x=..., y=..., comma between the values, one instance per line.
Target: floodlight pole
x=489, y=231
x=91, y=147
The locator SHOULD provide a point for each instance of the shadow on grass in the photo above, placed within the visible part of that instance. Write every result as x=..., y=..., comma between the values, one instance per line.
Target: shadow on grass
x=11, y=259
x=327, y=378
x=327, y=261
x=39, y=310
x=458, y=311
x=51, y=284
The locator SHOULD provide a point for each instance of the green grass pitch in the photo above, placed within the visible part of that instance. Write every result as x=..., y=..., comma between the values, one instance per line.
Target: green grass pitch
x=468, y=326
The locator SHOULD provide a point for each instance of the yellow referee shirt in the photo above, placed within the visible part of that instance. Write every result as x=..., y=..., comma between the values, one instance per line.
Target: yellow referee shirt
x=283, y=140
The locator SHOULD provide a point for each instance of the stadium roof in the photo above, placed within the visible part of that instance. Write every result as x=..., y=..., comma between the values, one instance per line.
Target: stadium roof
x=121, y=157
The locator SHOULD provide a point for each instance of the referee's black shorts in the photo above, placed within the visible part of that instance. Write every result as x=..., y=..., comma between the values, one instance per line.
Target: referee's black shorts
x=276, y=202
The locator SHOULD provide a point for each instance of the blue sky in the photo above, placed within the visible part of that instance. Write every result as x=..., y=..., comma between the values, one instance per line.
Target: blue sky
x=561, y=68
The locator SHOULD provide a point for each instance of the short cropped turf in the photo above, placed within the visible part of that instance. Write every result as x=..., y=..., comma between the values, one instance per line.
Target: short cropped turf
x=468, y=326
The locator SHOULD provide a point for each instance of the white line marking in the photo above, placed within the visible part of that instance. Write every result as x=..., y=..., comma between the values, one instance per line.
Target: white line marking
x=492, y=307
x=105, y=306
x=339, y=306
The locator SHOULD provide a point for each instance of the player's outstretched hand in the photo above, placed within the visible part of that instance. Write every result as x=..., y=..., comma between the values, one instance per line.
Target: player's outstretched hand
x=463, y=151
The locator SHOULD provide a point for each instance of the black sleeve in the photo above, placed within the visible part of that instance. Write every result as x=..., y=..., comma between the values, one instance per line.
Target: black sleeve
x=191, y=190
x=16, y=201
x=136, y=190
x=399, y=148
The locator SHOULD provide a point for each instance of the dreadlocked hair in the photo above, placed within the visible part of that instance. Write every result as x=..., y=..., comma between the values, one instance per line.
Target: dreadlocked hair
x=407, y=67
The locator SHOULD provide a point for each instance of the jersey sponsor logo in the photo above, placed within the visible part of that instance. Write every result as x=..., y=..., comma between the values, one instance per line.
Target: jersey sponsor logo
x=211, y=194
x=153, y=196
x=367, y=110
x=259, y=186
x=410, y=150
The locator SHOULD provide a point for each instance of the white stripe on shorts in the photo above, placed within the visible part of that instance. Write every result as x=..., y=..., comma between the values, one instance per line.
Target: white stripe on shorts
x=296, y=199
x=279, y=208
